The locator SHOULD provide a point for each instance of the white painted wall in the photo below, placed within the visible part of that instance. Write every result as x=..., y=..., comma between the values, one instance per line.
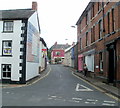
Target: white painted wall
x=14, y=60
x=32, y=68
x=41, y=58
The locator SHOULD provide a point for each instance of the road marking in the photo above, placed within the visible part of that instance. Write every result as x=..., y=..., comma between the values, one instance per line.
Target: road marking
x=41, y=77
x=53, y=96
x=92, y=100
x=106, y=104
x=116, y=98
x=77, y=99
x=84, y=88
x=109, y=101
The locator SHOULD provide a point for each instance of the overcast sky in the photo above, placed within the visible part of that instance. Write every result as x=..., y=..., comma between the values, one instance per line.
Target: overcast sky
x=56, y=17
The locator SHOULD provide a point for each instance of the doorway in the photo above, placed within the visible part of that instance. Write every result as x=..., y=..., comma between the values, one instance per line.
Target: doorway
x=111, y=66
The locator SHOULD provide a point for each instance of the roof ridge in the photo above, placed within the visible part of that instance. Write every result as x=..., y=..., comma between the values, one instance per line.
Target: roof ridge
x=17, y=9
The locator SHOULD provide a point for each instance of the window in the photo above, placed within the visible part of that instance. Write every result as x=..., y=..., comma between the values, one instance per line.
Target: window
x=87, y=39
x=93, y=34
x=113, y=20
x=100, y=29
x=101, y=61
x=8, y=26
x=86, y=19
x=108, y=18
x=7, y=48
x=99, y=5
x=92, y=12
x=57, y=53
x=80, y=43
x=6, y=71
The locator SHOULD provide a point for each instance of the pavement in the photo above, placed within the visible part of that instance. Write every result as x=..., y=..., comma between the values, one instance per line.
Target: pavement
x=30, y=82
x=106, y=87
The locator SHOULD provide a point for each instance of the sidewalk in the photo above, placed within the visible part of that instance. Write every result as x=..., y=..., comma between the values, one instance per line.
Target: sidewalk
x=30, y=82
x=106, y=87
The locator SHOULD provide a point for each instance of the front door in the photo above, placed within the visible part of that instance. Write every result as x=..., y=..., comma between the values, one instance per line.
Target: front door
x=111, y=66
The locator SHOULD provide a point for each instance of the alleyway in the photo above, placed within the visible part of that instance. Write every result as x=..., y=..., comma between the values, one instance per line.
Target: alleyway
x=59, y=88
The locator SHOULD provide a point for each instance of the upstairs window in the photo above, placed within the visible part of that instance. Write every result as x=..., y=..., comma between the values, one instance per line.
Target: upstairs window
x=87, y=19
x=113, y=20
x=100, y=29
x=57, y=53
x=8, y=26
x=93, y=34
x=86, y=38
x=99, y=6
x=108, y=18
x=7, y=48
x=80, y=43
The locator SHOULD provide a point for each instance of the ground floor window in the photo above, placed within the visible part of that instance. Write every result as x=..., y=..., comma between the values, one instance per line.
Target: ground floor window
x=89, y=61
x=101, y=61
x=6, y=71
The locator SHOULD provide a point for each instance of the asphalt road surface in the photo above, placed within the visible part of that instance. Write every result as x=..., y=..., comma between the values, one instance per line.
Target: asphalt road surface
x=59, y=88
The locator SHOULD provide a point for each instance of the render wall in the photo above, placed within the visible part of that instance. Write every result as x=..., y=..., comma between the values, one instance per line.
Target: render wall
x=14, y=60
x=32, y=54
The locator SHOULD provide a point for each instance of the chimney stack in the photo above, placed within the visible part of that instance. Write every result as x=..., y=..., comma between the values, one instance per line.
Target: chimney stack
x=55, y=43
x=34, y=6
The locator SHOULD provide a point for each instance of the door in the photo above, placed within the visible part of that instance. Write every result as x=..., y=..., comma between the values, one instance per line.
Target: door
x=111, y=66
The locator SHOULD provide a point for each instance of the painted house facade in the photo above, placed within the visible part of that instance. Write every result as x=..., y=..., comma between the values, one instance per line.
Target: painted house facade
x=69, y=59
x=19, y=45
x=57, y=53
x=98, y=37
x=43, y=55
x=71, y=56
x=68, y=55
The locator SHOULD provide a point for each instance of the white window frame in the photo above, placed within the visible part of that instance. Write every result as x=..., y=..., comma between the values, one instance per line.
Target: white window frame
x=8, y=26
x=7, y=48
x=6, y=71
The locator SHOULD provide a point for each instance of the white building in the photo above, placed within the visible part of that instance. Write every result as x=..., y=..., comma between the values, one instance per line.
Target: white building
x=19, y=45
x=43, y=55
x=67, y=59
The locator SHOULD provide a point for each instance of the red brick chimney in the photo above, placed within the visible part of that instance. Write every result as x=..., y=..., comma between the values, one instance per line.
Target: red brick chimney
x=34, y=6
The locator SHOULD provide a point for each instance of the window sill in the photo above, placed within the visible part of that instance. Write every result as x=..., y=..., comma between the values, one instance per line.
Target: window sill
x=100, y=39
x=6, y=56
x=7, y=32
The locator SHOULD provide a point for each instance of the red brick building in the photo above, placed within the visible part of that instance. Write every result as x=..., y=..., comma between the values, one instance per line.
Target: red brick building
x=98, y=37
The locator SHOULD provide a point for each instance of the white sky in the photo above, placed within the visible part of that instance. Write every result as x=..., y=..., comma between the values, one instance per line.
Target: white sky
x=56, y=17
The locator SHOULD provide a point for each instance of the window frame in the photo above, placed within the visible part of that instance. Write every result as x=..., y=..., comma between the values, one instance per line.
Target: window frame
x=7, y=72
x=108, y=18
x=100, y=29
x=80, y=40
x=3, y=47
x=113, y=20
x=6, y=28
x=87, y=40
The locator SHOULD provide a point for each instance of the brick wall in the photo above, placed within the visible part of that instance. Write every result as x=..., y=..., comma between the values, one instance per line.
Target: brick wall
x=108, y=34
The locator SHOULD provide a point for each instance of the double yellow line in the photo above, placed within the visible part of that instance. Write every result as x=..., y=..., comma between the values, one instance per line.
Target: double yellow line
x=108, y=94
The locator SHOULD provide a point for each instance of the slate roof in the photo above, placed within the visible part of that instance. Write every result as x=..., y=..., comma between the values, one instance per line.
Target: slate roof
x=16, y=14
x=60, y=46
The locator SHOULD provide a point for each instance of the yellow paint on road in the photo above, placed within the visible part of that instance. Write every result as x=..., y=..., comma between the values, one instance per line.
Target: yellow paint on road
x=41, y=77
x=108, y=94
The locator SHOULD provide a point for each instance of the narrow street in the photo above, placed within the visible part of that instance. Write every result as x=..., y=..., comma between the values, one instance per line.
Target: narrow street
x=59, y=88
